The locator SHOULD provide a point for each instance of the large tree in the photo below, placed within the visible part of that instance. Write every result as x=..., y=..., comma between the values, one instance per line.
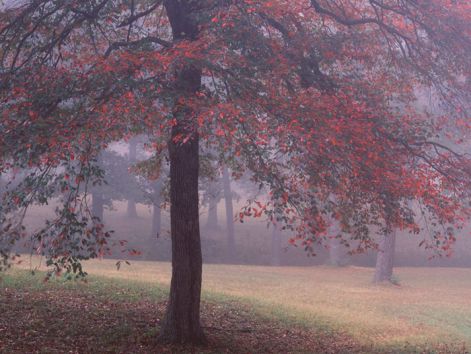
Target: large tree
x=327, y=85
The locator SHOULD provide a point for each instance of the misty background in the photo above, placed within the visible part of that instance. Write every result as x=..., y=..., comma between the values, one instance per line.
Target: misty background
x=136, y=209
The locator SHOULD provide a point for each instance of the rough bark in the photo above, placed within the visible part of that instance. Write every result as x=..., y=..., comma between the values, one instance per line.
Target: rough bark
x=226, y=181
x=131, y=208
x=385, y=258
x=275, y=246
x=182, y=321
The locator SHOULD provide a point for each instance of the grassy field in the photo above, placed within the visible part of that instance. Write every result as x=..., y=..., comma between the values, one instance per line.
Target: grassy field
x=432, y=306
x=111, y=315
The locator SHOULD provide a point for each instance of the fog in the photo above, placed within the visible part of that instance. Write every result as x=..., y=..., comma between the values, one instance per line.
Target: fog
x=136, y=210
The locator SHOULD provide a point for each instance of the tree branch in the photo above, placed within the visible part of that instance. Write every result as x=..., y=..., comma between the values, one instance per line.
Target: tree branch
x=138, y=15
x=117, y=45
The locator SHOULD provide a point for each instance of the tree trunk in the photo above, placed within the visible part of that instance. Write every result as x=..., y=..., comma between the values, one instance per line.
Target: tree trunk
x=97, y=203
x=131, y=208
x=182, y=323
x=275, y=246
x=231, y=250
x=335, y=249
x=385, y=258
x=182, y=320
x=156, y=210
x=212, y=221
x=98, y=200
x=335, y=257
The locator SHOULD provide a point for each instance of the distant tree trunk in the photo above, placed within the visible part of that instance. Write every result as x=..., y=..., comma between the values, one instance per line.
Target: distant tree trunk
x=156, y=210
x=231, y=251
x=97, y=195
x=275, y=246
x=131, y=208
x=335, y=251
x=182, y=319
x=385, y=258
x=335, y=257
x=97, y=203
x=212, y=221
x=156, y=218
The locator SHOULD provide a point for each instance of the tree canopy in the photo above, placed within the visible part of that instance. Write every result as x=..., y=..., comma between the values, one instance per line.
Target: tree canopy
x=316, y=98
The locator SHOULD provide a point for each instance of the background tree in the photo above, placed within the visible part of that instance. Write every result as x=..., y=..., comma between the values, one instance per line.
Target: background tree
x=98, y=203
x=231, y=247
x=337, y=250
x=275, y=246
x=153, y=181
x=132, y=156
x=157, y=207
x=212, y=192
x=119, y=184
x=385, y=257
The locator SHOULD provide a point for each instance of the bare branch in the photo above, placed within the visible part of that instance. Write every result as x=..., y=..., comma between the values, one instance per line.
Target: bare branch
x=138, y=15
x=117, y=45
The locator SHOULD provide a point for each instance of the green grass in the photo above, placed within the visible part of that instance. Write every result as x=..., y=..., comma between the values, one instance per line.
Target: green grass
x=117, y=315
x=114, y=289
x=431, y=307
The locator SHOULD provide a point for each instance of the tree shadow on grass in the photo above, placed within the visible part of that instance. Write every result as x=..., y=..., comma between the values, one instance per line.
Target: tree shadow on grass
x=59, y=320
